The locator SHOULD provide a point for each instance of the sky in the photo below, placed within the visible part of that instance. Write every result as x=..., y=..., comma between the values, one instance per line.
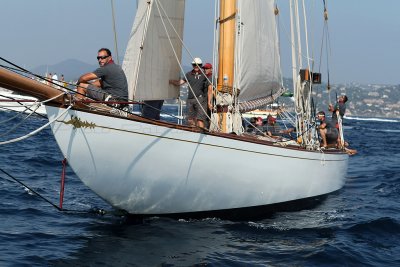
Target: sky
x=364, y=34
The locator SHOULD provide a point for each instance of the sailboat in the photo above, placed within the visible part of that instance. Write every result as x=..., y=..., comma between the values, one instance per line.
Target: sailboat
x=147, y=167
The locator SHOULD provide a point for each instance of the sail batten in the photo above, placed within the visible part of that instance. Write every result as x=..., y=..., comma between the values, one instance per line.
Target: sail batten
x=150, y=61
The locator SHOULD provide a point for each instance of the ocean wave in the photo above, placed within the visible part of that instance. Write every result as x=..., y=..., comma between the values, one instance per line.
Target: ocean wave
x=377, y=226
x=371, y=119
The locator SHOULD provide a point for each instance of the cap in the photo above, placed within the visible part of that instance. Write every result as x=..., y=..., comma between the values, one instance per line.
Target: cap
x=197, y=61
x=271, y=119
x=207, y=66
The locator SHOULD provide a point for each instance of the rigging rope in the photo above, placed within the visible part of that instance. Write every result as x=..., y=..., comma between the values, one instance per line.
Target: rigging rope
x=159, y=5
x=115, y=31
x=35, y=131
x=14, y=117
x=30, y=189
x=326, y=40
x=23, y=70
x=54, y=82
x=20, y=123
x=94, y=210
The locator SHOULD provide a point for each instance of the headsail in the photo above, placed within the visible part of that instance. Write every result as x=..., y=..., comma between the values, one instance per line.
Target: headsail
x=150, y=61
x=257, y=61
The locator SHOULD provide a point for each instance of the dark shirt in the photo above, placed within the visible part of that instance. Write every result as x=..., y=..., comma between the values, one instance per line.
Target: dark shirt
x=342, y=110
x=198, y=83
x=273, y=129
x=331, y=131
x=330, y=124
x=114, y=80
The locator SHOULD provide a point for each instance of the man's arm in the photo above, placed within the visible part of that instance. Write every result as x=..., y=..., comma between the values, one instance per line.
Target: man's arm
x=85, y=78
x=210, y=96
x=331, y=108
x=177, y=82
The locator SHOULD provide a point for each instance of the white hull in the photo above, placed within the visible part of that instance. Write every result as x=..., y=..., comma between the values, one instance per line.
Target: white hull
x=150, y=169
x=14, y=106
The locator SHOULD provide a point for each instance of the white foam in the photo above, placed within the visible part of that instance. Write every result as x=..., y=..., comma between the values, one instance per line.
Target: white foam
x=371, y=119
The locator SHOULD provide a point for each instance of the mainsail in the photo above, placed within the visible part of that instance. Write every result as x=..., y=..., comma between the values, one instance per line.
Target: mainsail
x=257, y=54
x=150, y=61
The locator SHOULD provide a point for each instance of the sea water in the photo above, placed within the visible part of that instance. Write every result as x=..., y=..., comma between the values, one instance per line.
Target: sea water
x=357, y=226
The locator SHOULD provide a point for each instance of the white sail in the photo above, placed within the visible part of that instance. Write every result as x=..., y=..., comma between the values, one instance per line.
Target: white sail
x=150, y=61
x=258, y=61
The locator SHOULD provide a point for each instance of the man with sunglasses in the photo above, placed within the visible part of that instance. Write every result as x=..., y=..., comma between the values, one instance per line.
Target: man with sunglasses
x=105, y=83
x=197, y=93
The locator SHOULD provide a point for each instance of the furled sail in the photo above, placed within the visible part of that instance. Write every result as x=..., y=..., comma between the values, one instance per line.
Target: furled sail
x=150, y=61
x=258, y=72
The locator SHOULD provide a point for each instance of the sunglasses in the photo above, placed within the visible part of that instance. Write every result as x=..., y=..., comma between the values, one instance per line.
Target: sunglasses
x=102, y=57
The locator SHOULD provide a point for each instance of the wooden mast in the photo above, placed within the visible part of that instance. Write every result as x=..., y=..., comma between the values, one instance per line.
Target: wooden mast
x=227, y=43
x=226, y=53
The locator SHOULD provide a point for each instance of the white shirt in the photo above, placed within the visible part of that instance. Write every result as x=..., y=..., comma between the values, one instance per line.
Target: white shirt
x=55, y=80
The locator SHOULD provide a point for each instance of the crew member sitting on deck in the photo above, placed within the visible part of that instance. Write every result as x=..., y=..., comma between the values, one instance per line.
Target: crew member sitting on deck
x=327, y=130
x=272, y=129
x=106, y=82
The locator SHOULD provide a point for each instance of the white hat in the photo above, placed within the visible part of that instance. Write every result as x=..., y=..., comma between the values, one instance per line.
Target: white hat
x=197, y=61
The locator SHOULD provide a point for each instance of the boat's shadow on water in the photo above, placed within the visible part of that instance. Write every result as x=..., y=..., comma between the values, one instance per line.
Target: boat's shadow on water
x=242, y=214
x=149, y=243
x=136, y=241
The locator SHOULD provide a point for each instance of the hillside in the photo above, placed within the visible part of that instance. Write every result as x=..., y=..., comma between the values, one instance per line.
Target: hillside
x=365, y=100
x=71, y=68
x=371, y=100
